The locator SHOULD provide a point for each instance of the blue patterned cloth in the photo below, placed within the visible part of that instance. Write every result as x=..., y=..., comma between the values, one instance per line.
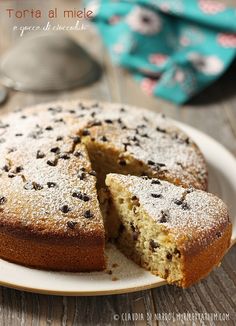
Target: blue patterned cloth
x=174, y=48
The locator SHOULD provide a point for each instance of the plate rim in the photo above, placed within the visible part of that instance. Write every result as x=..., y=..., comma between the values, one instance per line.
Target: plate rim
x=160, y=282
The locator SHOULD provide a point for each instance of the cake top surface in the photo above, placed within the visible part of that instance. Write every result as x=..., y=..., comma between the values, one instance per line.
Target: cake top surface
x=192, y=216
x=43, y=162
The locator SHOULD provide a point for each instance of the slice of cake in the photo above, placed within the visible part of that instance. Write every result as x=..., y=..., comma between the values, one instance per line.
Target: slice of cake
x=177, y=233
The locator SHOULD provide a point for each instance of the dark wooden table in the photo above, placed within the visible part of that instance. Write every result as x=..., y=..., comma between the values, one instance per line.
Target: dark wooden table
x=213, y=112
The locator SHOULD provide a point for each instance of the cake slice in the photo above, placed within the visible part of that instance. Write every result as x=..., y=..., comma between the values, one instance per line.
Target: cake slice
x=177, y=233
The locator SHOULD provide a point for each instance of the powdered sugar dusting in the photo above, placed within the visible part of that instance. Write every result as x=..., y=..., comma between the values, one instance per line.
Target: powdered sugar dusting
x=192, y=216
x=43, y=163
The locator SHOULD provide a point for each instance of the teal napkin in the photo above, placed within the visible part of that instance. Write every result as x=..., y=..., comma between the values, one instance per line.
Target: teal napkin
x=174, y=48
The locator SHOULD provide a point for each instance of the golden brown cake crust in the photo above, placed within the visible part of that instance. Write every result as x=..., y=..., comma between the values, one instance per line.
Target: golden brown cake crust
x=47, y=185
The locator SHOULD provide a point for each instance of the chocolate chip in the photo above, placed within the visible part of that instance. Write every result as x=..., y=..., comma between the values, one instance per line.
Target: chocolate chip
x=18, y=169
x=178, y=202
x=72, y=111
x=65, y=156
x=65, y=209
x=52, y=162
x=169, y=256
x=33, y=186
x=79, y=195
x=59, y=120
x=11, y=175
x=3, y=126
x=134, y=198
x=185, y=206
x=55, y=150
x=153, y=245
x=122, y=162
x=104, y=138
x=77, y=154
x=177, y=252
x=161, y=130
x=164, y=217
x=155, y=182
x=95, y=123
x=11, y=150
x=6, y=168
x=40, y=154
x=160, y=164
x=88, y=214
x=86, y=132
x=51, y=184
x=71, y=224
x=93, y=173
x=81, y=175
x=76, y=140
x=49, y=128
x=122, y=110
x=18, y=135
x=3, y=200
x=59, y=138
x=150, y=162
x=108, y=121
x=156, y=195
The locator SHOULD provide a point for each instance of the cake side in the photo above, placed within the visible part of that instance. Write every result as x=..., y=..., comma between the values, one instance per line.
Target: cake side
x=179, y=234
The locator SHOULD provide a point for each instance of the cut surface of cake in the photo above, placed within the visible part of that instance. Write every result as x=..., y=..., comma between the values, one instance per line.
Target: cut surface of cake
x=178, y=233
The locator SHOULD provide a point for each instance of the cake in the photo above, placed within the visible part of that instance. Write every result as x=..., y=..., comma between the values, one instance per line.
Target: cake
x=177, y=233
x=54, y=159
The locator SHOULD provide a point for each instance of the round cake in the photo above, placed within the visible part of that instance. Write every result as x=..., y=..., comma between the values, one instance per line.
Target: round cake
x=53, y=159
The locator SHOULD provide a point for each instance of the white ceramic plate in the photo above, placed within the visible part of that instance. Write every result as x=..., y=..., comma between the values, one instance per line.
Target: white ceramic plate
x=126, y=276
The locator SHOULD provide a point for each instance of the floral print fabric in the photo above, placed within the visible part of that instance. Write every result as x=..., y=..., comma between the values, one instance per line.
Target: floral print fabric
x=174, y=48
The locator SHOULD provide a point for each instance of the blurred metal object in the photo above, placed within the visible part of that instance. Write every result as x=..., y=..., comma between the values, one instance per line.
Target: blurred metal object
x=3, y=94
x=47, y=62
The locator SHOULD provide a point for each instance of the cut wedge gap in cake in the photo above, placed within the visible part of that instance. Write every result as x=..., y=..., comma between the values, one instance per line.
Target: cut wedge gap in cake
x=179, y=234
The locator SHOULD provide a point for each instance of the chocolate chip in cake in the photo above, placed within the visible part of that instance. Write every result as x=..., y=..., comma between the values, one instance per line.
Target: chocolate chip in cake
x=71, y=224
x=122, y=110
x=51, y=184
x=52, y=162
x=4, y=126
x=134, y=198
x=59, y=120
x=81, y=175
x=72, y=111
x=169, y=256
x=164, y=217
x=6, y=168
x=18, y=169
x=93, y=173
x=49, y=128
x=65, y=209
x=19, y=134
x=33, y=186
x=160, y=130
x=59, y=138
x=76, y=140
x=11, y=150
x=150, y=162
x=108, y=121
x=86, y=132
x=104, y=138
x=155, y=182
x=40, y=154
x=177, y=252
x=65, y=156
x=122, y=162
x=178, y=202
x=55, y=150
x=88, y=214
x=3, y=200
x=80, y=195
x=11, y=175
x=156, y=195
x=153, y=245
x=78, y=154
x=95, y=123
x=185, y=206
